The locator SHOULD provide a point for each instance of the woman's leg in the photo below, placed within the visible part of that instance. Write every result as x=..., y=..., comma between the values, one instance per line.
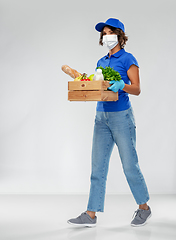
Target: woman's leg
x=125, y=138
x=91, y=214
x=101, y=151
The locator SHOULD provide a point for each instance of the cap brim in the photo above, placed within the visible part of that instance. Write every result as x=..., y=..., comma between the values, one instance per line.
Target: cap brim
x=100, y=26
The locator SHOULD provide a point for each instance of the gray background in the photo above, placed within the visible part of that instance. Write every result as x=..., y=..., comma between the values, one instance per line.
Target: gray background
x=45, y=144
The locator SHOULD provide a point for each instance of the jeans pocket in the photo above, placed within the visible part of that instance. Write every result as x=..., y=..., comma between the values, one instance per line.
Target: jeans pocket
x=99, y=117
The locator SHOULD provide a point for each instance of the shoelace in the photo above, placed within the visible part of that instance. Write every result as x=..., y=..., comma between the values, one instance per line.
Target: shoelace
x=137, y=213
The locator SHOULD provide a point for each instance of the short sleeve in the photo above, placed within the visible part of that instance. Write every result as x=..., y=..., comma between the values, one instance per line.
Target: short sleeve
x=130, y=60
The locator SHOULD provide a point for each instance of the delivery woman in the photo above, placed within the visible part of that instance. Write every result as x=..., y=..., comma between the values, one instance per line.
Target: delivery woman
x=115, y=124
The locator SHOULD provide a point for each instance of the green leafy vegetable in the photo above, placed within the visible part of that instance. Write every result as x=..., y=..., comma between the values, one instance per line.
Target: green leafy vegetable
x=110, y=74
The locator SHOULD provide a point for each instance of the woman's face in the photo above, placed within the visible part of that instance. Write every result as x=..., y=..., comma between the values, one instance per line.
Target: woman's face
x=107, y=31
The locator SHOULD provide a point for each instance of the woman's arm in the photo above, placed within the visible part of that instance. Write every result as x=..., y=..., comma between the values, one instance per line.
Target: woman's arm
x=133, y=74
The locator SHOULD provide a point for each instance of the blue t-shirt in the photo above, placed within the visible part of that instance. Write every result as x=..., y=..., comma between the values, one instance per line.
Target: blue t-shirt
x=121, y=62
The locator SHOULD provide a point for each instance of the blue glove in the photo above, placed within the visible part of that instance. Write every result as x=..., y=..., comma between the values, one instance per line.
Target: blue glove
x=116, y=85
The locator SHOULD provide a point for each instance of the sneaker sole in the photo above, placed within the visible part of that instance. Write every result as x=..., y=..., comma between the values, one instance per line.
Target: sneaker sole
x=82, y=225
x=140, y=225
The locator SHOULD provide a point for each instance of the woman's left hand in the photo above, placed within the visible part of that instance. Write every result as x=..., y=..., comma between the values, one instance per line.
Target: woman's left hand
x=116, y=85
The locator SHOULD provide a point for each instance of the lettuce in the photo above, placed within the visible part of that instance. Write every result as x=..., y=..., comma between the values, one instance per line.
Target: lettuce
x=110, y=74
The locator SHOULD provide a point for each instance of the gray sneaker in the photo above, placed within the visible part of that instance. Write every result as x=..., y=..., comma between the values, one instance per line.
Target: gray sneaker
x=83, y=220
x=140, y=217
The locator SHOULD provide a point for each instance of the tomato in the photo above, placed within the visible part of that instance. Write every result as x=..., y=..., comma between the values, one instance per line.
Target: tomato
x=87, y=79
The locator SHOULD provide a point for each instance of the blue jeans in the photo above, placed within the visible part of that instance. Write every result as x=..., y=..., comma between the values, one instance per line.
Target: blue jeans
x=115, y=128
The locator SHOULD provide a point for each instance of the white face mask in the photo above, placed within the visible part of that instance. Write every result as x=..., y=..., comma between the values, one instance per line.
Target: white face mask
x=110, y=41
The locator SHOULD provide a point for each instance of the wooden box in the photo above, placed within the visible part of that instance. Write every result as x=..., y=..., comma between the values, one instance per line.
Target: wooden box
x=90, y=91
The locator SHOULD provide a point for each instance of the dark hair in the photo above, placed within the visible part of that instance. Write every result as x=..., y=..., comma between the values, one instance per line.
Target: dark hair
x=122, y=38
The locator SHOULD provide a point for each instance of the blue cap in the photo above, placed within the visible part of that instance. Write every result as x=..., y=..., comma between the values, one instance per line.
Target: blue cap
x=113, y=22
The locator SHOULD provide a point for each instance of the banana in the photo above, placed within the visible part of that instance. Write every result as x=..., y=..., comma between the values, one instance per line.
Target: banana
x=78, y=78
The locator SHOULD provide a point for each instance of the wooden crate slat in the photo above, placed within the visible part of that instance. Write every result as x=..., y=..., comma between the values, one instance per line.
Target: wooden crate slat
x=88, y=85
x=92, y=96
